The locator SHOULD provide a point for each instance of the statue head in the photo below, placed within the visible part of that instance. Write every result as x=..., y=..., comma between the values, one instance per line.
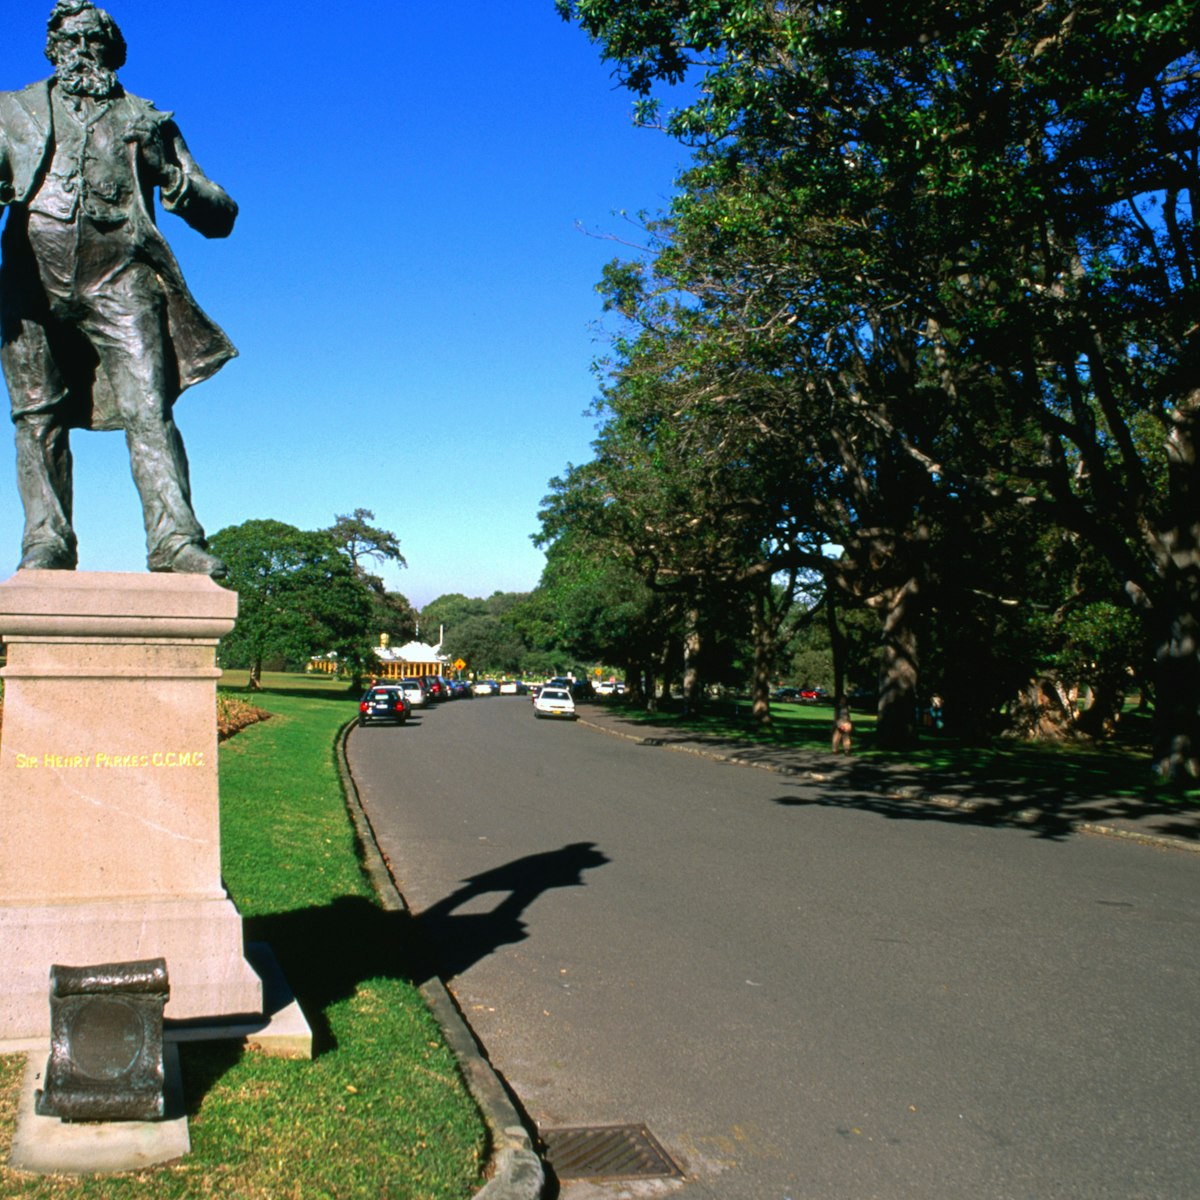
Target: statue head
x=85, y=46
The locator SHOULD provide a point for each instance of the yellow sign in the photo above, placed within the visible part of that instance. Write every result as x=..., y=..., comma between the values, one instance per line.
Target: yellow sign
x=459, y=664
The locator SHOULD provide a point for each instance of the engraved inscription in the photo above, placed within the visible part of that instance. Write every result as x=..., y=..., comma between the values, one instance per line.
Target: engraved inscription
x=158, y=759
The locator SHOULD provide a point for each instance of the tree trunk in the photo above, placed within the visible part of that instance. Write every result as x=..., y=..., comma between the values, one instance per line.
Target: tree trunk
x=763, y=632
x=837, y=645
x=1099, y=719
x=1177, y=694
x=692, y=645
x=631, y=674
x=672, y=655
x=635, y=690
x=1042, y=712
x=896, y=728
x=254, y=683
x=1177, y=641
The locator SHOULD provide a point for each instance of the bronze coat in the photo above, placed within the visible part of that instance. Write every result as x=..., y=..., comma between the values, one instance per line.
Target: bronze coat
x=195, y=345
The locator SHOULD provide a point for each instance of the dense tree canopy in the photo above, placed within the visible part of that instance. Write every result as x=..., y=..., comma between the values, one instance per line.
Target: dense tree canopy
x=298, y=596
x=930, y=279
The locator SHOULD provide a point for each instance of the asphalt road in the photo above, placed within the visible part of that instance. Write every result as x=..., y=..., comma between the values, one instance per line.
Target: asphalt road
x=800, y=1001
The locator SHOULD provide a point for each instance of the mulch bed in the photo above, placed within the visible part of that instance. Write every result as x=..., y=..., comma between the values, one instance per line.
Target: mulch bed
x=234, y=715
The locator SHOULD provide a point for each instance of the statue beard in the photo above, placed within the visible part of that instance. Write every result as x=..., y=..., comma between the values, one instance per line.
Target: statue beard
x=82, y=76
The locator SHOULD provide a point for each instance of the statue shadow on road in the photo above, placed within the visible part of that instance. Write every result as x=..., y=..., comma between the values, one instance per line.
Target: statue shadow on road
x=460, y=939
x=327, y=952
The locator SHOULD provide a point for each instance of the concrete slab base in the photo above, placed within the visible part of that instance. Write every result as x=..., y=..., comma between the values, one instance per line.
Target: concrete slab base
x=48, y=1146
x=282, y=1031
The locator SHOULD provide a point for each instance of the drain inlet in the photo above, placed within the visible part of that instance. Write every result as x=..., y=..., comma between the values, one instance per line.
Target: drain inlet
x=607, y=1152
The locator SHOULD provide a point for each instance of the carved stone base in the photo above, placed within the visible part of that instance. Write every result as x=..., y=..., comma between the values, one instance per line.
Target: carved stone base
x=200, y=939
x=109, y=824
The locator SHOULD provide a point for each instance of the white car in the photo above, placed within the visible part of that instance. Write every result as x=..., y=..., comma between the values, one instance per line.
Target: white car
x=414, y=691
x=554, y=702
x=484, y=687
x=512, y=687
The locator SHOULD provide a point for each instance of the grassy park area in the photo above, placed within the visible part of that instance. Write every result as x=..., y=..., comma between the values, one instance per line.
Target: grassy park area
x=1119, y=767
x=382, y=1110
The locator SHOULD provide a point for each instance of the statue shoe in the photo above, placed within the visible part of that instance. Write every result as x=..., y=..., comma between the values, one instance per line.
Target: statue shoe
x=47, y=557
x=192, y=560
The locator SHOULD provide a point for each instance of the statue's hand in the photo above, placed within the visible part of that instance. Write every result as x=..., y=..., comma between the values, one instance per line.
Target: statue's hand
x=171, y=181
x=147, y=136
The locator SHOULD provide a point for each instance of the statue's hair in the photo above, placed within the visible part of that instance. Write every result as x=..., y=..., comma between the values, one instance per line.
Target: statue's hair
x=114, y=52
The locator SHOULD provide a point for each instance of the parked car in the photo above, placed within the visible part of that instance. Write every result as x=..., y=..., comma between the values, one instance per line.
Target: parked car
x=460, y=689
x=788, y=694
x=384, y=703
x=812, y=695
x=436, y=687
x=554, y=702
x=512, y=687
x=485, y=687
x=414, y=690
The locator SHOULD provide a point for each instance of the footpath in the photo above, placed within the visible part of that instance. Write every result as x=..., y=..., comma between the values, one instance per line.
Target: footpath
x=887, y=788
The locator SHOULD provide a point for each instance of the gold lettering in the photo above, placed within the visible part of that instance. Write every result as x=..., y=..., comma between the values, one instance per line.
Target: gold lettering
x=163, y=759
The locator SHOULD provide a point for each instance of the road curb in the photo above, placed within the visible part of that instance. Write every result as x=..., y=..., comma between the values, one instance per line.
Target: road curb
x=1027, y=816
x=516, y=1172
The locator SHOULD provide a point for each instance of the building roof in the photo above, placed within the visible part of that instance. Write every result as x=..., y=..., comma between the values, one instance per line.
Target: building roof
x=412, y=652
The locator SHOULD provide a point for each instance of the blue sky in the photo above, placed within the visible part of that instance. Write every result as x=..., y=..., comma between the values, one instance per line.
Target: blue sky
x=407, y=282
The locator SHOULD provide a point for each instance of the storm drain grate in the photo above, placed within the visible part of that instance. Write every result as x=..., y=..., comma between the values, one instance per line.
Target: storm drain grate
x=607, y=1152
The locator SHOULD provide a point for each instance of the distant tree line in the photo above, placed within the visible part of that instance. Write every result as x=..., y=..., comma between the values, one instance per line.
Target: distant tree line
x=915, y=345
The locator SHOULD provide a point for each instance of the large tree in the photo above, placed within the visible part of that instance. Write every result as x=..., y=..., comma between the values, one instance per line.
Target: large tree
x=298, y=595
x=971, y=230
x=364, y=543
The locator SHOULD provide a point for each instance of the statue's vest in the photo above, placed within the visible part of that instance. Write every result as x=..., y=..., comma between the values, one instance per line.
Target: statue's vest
x=91, y=172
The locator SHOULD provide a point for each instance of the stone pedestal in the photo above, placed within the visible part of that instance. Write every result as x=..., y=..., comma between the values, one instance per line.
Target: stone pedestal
x=109, y=826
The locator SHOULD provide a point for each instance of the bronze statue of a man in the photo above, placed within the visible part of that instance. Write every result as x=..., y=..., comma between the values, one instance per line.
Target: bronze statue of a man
x=97, y=327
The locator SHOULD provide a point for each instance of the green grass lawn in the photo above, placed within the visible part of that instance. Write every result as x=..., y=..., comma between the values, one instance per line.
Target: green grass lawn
x=382, y=1111
x=1120, y=767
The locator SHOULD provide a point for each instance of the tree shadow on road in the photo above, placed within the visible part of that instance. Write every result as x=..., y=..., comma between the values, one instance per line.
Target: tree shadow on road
x=1051, y=812
x=460, y=939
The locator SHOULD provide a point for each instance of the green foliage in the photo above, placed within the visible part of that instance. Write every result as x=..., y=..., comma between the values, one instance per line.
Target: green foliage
x=298, y=595
x=924, y=270
x=488, y=644
x=391, y=613
x=363, y=542
x=485, y=633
